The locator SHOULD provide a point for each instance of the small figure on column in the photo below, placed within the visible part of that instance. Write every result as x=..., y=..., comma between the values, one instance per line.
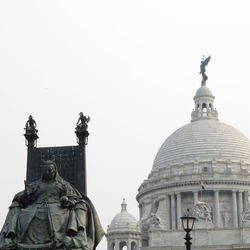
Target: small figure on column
x=82, y=123
x=31, y=132
x=31, y=124
x=82, y=129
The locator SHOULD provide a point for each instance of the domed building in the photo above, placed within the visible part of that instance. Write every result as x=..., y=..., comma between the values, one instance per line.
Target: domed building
x=123, y=231
x=203, y=166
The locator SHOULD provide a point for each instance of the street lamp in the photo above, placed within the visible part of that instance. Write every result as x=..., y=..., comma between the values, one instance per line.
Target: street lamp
x=187, y=224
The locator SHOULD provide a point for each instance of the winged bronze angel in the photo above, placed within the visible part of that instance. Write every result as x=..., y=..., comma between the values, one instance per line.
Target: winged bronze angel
x=204, y=63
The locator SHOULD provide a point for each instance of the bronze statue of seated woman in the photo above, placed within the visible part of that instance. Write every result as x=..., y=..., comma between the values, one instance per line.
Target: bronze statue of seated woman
x=51, y=214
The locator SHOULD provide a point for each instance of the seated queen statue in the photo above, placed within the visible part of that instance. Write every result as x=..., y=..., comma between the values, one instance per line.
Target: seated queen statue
x=51, y=214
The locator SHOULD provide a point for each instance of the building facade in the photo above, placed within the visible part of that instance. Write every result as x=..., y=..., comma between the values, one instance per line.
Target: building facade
x=203, y=166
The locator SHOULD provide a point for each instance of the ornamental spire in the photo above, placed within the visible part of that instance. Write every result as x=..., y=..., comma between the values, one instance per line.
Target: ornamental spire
x=204, y=63
x=204, y=99
x=124, y=205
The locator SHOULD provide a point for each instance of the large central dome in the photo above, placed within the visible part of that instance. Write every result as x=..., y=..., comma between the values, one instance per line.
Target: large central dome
x=203, y=140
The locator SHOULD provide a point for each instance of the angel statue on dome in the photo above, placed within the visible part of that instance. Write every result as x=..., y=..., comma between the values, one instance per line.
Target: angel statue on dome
x=203, y=65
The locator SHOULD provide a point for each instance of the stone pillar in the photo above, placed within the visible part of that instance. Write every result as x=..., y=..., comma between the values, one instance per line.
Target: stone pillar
x=235, y=213
x=116, y=244
x=200, y=104
x=240, y=206
x=129, y=245
x=168, y=209
x=217, y=209
x=173, y=214
x=195, y=197
x=207, y=103
x=246, y=202
x=179, y=211
x=138, y=245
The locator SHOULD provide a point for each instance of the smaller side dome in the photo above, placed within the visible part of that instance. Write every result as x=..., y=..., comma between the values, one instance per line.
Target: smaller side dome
x=123, y=221
x=203, y=91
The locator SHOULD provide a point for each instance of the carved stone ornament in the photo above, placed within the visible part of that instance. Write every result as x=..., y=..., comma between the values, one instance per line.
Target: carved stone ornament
x=246, y=216
x=154, y=219
x=226, y=216
x=202, y=211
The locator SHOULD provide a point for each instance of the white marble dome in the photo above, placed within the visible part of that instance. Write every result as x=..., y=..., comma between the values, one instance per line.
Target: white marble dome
x=203, y=91
x=203, y=167
x=124, y=231
x=203, y=140
x=124, y=221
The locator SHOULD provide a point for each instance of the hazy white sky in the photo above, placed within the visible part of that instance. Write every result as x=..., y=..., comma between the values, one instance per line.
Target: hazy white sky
x=132, y=66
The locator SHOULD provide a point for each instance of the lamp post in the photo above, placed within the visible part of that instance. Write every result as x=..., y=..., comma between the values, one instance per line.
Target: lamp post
x=187, y=224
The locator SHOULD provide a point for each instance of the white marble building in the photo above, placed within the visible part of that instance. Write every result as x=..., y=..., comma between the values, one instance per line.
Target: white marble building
x=204, y=150
x=124, y=230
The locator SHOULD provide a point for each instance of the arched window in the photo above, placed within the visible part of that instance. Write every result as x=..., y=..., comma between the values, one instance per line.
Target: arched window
x=204, y=107
x=123, y=245
x=133, y=246
x=112, y=246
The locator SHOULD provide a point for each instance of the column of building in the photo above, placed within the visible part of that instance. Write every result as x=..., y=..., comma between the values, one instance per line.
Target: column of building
x=173, y=212
x=246, y=202
x=168, y=209
x=129, y=244
x=116, y=244
x=173, y=202
x=178, y=199
x=240, y=206
x=216, y=209
x=234, y=209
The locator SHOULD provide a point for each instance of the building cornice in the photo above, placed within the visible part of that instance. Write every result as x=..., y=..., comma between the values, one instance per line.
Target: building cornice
x=153, y=188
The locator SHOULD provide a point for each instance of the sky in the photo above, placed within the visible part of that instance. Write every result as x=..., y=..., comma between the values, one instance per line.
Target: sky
x=132, y=66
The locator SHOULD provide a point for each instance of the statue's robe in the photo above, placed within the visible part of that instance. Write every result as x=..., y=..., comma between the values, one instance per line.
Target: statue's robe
x=36, y=218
